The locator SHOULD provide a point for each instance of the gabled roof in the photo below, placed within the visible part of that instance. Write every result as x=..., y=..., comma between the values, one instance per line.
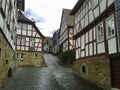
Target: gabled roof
x=77, y=7
x=22, y=18
x=68, y=18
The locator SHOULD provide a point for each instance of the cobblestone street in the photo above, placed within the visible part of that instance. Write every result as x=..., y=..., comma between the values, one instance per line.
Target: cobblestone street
x=52, y=76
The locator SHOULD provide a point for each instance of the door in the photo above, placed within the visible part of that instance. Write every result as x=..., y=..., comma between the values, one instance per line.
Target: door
x=115, y=71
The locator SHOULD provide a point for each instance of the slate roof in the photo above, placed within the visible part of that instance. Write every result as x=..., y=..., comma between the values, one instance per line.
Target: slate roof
x=68, y=18
x=77, y=6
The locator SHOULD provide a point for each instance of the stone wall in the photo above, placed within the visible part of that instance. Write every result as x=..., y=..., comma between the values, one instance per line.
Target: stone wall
x=29, y=59
x=96, y=70
x=6, y=59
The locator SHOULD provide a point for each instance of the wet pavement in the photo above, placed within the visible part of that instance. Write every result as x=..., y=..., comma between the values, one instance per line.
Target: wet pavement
x=52, y=76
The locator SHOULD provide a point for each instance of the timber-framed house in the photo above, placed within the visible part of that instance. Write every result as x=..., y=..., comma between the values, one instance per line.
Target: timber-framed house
x=96, y=42
x=29, y=43
x=66, y=31
x=8, y=19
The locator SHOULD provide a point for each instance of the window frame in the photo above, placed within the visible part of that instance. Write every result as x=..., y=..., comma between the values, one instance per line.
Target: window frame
x=94, y=3
x=98, y=38
x=107, y=31
x=23, y=40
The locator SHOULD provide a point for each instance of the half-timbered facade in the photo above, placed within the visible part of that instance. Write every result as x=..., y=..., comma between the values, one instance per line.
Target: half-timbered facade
x=8, y=19
x=66, y=31
x=55, y=42
x=96, y=42
x=47, y=45
x=29, y=43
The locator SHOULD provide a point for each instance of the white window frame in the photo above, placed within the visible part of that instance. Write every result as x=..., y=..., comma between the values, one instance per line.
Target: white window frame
x=107, y=31
x=100, y=36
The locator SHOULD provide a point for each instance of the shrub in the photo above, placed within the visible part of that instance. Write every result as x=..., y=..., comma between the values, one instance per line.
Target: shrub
x=67, y=57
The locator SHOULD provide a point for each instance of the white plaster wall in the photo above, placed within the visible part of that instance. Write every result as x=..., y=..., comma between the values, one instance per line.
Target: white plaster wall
x=112, y=46
x=101, y=48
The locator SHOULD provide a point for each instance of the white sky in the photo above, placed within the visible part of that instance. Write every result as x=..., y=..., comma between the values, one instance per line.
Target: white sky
x=49, y=11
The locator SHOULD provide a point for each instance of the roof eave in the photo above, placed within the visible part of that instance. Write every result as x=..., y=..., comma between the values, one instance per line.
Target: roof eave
x=77, y=7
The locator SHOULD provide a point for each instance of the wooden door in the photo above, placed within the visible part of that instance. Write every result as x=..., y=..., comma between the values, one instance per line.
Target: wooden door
x=115, y=71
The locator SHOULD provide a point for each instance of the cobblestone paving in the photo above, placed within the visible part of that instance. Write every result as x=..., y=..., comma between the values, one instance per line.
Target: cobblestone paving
x=51, y=77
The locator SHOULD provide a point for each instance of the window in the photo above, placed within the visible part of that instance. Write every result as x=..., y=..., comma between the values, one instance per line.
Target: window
x=110, y=26
x=18, y=40
x=23, y=41
x=6, y=61
x=94, y=3
x=17, y=55
x=36, y=56
x=24, y=26
x=3, y=4
x=24, y=32
x=83, y=69
x=100, y=32
x=18, y=31
x=22, y=56
x=32, y=44
x=29, y=27
x=19, y=25
x=32, y=41
x=0, y=52
x=29, y=33
x=0, y=2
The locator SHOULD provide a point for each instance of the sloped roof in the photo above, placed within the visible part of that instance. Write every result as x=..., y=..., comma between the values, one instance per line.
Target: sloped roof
x=77, y=6
x=68, y=18
x=22, y=18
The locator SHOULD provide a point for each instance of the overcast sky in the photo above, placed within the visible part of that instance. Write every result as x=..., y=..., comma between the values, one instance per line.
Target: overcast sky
x=47, y=13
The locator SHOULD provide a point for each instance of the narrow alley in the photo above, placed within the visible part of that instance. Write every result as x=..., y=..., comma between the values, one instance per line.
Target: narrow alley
x=52, y=76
